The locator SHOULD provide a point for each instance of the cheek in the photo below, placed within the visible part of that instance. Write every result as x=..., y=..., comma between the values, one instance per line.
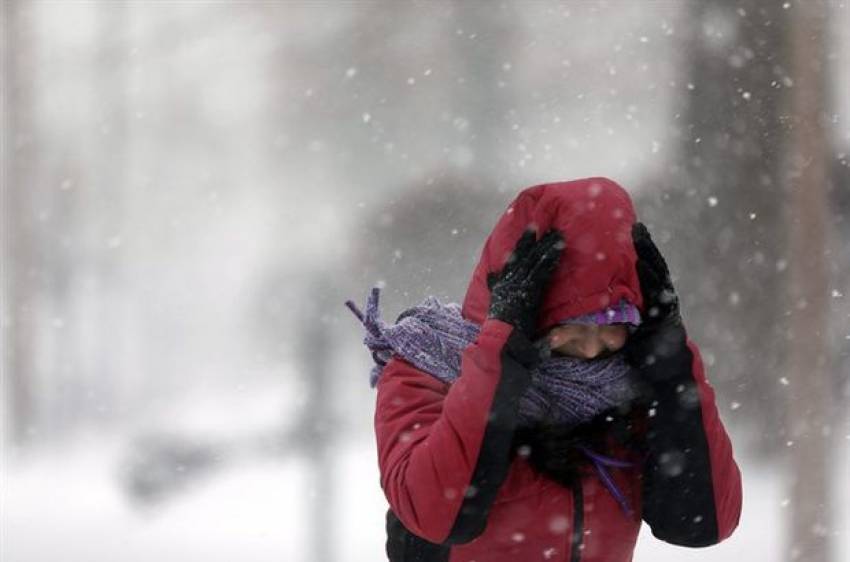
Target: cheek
x=616, y=340
x=557, y=338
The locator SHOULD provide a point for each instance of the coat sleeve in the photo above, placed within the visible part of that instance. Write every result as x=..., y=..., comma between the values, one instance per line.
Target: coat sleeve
x=443, y=450
x=691, y=489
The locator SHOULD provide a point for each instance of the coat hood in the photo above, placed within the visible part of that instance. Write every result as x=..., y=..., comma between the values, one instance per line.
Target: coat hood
x=597, y=266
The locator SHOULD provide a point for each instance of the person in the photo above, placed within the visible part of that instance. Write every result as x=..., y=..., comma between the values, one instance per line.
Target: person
x=559, y=407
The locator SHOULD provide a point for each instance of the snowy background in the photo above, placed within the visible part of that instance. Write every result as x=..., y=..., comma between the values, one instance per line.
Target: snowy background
x=192, y=189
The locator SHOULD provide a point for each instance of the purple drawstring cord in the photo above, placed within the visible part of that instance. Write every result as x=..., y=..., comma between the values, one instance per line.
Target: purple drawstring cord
x=369, y=319
x=370, y=322
x=599, y=461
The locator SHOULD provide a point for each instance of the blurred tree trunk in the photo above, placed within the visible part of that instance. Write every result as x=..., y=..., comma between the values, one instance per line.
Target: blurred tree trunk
x=20, y=228
x=103, y=298
x=64, y=176
x=809, y=409
x=319, y=438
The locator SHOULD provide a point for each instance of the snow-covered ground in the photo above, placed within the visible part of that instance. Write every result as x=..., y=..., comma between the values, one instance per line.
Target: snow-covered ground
x=67, y=505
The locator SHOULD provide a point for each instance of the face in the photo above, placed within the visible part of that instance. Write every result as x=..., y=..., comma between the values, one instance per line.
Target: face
x=587, y=341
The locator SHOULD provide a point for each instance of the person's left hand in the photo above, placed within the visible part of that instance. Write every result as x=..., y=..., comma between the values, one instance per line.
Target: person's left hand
x=655, y=347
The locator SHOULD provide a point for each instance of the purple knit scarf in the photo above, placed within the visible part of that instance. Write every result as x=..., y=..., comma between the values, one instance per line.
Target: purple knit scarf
x=565, y=390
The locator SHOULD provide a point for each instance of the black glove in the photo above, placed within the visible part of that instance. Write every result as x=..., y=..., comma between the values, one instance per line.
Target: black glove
x=516, y=291
x=554, y=449
x=656, y=348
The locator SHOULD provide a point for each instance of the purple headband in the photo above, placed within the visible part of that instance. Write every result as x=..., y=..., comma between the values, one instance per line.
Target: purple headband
x=623, y=312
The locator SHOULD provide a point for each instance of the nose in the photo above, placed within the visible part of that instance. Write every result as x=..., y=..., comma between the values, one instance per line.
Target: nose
x=593, y=348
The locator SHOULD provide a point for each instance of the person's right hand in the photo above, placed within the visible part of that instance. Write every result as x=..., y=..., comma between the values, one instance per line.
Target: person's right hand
x=517, y=291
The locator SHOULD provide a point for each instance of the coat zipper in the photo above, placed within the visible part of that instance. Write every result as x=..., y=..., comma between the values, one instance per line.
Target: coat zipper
x=578, y=521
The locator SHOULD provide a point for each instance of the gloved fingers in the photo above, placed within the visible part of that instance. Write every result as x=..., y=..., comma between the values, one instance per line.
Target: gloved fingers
x=539, y=277
x=647, y=250
x=548, y=249
x=524, y=245
x=546, y=265
x=516, y=259
x=660, y=298
x=650, y=283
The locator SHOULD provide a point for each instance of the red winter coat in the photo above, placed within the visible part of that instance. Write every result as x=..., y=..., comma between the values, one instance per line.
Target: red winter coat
x=455, y=493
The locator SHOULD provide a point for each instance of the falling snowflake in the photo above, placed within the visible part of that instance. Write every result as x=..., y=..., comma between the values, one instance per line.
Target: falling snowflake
x=559, y=524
